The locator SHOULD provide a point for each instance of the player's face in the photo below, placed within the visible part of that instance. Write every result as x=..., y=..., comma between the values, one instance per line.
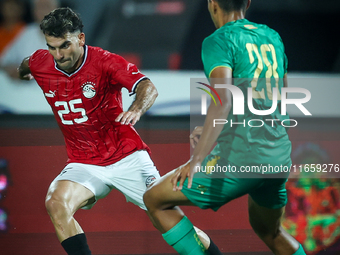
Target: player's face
x=67, y=51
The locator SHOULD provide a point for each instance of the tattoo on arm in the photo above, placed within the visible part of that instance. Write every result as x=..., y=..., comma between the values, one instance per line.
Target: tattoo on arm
x=146, y=94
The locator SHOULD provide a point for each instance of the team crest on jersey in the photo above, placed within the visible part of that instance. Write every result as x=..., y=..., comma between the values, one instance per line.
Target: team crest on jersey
x=89, y=91
x=151, y=179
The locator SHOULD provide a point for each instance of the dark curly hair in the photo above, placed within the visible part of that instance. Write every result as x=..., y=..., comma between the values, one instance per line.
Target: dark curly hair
x=61, y=21
x=233, y=5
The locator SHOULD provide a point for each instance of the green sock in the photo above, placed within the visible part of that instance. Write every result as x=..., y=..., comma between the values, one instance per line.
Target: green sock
x=184, y=239
x=300, y=251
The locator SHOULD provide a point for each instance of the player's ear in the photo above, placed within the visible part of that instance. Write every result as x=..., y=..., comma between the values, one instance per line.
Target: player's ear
x=81, y=38
x=248, y=4
x=215, y=6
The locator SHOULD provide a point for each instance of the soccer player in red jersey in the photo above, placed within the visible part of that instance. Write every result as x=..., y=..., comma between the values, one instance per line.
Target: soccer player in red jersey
x=83, y=86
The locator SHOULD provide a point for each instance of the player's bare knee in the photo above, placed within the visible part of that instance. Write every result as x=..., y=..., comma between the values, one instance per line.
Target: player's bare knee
x=152, y=199
x=55, y=206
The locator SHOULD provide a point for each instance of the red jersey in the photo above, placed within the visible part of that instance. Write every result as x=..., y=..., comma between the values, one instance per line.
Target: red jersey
x=86, y=103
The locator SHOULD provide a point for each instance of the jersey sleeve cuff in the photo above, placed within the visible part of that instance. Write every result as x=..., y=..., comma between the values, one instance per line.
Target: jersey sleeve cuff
x=219, y=66
x=133, y=90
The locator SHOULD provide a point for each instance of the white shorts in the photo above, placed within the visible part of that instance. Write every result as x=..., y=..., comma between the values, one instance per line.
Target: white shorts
x=131, y=176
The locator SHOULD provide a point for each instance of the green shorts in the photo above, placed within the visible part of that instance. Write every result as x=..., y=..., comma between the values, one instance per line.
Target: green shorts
x=214, y=189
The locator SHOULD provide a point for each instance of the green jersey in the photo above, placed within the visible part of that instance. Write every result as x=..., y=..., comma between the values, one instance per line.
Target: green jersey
x=255, y=54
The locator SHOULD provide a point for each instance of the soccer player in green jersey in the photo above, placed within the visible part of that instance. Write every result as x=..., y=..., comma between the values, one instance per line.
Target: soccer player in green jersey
x=239, y=50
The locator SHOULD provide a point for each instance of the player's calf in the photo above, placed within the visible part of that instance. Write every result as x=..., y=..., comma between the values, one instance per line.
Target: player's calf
x=177, y=230
x=266, y=223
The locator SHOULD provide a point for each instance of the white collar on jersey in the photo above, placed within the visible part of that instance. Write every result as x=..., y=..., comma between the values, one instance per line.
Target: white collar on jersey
x=84, y=60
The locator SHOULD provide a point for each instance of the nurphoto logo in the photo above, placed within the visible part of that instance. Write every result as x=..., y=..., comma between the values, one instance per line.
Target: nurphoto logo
x=238, y=104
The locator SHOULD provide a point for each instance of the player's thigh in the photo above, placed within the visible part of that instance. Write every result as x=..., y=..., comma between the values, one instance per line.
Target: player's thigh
x=132, y=176
x=161, y=194
x=69, y=193
x=264, y=220
x=266, y=203
x=80, y=185
x=212, y=187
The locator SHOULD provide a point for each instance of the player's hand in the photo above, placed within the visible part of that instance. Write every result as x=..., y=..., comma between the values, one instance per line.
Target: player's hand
x=125, y=118
x=185, y=171
x=26, y=77
x=23, y=71
x=22, y=76
x=195, y=136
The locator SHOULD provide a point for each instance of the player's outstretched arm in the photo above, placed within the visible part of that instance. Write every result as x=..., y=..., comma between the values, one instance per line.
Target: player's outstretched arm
x=146, y=94
x=24, y=71
x=209, y=133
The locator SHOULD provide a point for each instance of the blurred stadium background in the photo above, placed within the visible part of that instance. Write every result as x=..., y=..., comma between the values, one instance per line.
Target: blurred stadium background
x=164, y=39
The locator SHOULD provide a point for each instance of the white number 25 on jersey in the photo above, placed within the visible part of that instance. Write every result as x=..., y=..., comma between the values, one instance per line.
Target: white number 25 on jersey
x=70, y=107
